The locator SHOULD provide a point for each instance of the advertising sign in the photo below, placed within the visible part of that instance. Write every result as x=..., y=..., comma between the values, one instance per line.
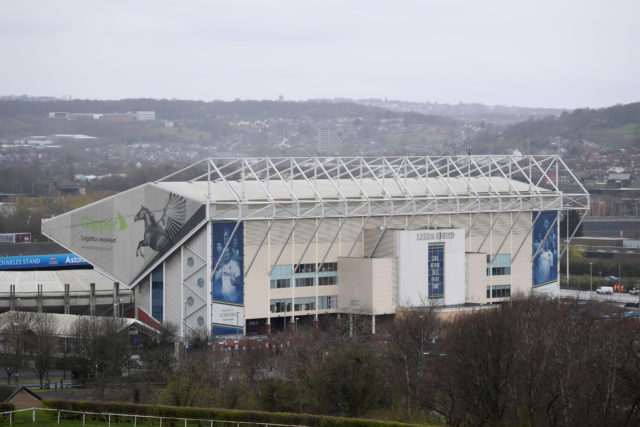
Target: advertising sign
x=123, y=235
x=228, y=278
x=7, y=238
x=15, y=237
x=41, y=261
x=436, y=270
x=545, y=264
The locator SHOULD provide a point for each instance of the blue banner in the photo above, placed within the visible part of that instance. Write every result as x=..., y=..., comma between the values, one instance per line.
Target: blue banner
x=228, y=278
x=545, y=264
x=41, y=261
x=436, y=270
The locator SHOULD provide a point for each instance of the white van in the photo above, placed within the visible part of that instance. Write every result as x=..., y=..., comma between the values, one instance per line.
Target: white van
x=604, y=290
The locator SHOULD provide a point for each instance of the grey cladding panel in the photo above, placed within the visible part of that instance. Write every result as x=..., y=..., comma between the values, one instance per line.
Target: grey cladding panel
x=280, y=230
x=304, y=231
x=172, y=289
x=254, y=231
x=328, y=229
x=144, y=299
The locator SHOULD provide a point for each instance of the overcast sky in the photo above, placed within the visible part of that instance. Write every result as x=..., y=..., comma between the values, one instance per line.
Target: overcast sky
x=539, y=53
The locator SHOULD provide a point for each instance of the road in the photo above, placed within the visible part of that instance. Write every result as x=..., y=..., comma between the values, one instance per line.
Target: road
x=619, y=298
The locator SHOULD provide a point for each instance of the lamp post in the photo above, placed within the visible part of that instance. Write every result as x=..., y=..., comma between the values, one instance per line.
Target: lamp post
x=591, y=280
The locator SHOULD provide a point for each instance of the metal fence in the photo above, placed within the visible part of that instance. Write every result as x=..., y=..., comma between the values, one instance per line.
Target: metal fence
x=44, y=416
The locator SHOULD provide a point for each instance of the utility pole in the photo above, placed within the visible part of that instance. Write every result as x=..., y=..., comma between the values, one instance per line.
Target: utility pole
x=568, y=286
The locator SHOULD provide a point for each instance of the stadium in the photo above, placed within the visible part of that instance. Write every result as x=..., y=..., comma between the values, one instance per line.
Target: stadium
x=236, y=246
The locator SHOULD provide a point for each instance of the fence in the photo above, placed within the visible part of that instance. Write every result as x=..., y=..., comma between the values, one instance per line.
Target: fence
x=49, y=416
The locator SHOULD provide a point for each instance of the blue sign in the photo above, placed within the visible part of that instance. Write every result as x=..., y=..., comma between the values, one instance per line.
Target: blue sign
x=41, y=261
x=436, y=270
x=228, y=278
x=545, y=264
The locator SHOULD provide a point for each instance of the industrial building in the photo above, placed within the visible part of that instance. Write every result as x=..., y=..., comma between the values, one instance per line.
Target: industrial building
x=238, y=245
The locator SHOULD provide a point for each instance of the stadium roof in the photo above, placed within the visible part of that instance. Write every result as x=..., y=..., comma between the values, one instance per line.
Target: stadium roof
x=53, y=281
x=270, y=188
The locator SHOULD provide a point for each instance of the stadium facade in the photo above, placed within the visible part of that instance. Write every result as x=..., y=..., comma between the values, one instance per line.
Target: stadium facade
x=239, y=244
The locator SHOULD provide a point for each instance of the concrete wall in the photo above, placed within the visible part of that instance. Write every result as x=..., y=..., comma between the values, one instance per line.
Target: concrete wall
x=366, y=285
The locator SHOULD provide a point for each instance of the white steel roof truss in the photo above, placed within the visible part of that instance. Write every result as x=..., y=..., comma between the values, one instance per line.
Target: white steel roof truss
x=358, y=236
x=512, y=187
x=284, y=181
x=444, y=179
x=333, y=240
x=395, y=177
x=226, y=183
x=259, y=181
x=489, y=231
x=331, y=180
x=423, y=179
x=284, y=245
x=489, y=183
x=506, y=236
x=264, y=238
x=380, y=235
x=304, y=175
x=526, y=236
x=469, y=184
x=313, y=236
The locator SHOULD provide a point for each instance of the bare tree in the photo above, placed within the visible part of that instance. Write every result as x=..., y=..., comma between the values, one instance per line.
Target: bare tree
x=15, y=334
x=410, y=352
x=44, y=344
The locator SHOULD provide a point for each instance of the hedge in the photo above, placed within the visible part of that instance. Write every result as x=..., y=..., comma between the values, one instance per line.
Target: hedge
x=216, y=414
x=5, y=407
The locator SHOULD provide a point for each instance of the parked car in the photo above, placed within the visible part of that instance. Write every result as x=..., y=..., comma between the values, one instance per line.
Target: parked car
x=604, y=290
x=634, y=291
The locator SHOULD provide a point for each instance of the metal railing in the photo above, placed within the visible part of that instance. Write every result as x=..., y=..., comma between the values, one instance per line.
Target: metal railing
x=108, y=418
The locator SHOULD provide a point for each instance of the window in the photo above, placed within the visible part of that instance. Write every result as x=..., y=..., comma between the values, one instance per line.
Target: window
x=305, y=268
x=499, y=291
x=157, y=293
x=280, y=283
x=327, y=266
x=327, y=280
x=326, y=302
x=501, y=265
x=304, y=281
x=302, y=304
x=281, y=305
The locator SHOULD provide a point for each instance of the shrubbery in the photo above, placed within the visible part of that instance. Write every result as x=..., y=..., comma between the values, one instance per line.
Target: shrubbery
x=214, y=414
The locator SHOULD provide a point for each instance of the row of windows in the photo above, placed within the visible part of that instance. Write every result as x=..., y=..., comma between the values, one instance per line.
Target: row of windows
x=327, y=280
x=280, y=283
x=321, y=268
x=499, y=291
x=304, y=281
x=283, y=305
x=501, y=265
x=499, y=271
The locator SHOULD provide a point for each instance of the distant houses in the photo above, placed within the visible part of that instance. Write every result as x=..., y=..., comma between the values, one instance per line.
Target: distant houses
x=140, y=116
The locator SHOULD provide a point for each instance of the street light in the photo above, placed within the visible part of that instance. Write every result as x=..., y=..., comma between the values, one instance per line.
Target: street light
x=591, y=280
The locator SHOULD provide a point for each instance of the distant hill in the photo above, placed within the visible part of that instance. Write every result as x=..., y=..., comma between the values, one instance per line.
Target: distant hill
x=611, y=128
x=196, y=110
x=468, y=112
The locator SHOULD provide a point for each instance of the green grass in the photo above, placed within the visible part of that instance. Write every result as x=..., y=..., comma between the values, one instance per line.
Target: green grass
x=627, y=130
